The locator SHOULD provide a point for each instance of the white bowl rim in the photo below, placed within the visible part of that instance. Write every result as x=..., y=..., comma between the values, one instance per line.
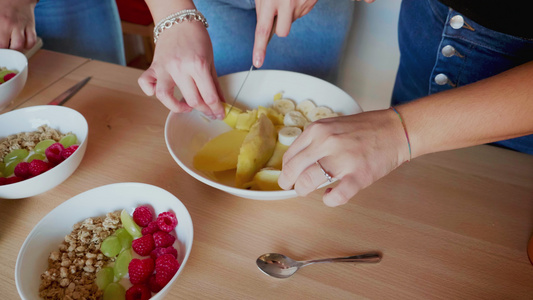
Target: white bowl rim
x=19, y=72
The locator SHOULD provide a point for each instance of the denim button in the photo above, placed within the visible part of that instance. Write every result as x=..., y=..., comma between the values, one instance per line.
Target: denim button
x=457, y=22
x=448, y=51
x=441, y=79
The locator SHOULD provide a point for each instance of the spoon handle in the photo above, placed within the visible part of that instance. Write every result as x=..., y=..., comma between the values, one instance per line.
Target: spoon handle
x=371, y=257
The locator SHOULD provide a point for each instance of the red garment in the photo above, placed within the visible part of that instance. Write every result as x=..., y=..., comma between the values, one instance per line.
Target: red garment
x=134, y=11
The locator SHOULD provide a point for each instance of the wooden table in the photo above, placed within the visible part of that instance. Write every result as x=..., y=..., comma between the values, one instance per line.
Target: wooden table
x=451, y=225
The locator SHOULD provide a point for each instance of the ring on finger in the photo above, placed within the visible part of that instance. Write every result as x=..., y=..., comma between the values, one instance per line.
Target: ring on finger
x=326, y=174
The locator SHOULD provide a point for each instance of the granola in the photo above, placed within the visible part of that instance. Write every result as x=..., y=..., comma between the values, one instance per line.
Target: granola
x=72, y=269
x=28, y=140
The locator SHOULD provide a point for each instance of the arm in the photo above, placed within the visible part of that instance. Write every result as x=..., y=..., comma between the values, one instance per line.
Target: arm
x=362, y=148
x=183, y=57
x=17, y=24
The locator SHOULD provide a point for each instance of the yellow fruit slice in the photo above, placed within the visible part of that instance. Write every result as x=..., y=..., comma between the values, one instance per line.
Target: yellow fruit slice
x=221, y=152
x=231, y=115
x=245, y=120
x=273, y=115
x=276, y=160
x=266, y=180
x=255, y=151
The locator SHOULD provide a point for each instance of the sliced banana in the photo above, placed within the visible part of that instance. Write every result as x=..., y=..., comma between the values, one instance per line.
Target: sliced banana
x=284, y=105
x=305, y=106
x=278, y=96
x=295, y=118
x=320, y=112
x=287, y=135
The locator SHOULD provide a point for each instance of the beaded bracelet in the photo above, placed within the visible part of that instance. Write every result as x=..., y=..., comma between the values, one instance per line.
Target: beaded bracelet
x=405, y=130
x=177, y=18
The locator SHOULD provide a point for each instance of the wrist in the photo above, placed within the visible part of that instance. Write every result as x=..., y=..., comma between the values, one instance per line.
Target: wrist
x=405, y=153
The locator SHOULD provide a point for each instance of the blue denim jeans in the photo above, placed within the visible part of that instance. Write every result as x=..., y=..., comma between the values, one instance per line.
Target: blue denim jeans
x=88, y=28
x=436, y=57
x=314, y=46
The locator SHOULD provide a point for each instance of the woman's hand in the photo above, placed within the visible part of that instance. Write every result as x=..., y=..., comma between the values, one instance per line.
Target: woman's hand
x=356, y=150
x=286, y=12
x=184, y=57
x=17, y=24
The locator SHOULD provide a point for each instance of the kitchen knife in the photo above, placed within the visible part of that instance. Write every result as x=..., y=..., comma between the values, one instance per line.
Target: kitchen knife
x=66, y=95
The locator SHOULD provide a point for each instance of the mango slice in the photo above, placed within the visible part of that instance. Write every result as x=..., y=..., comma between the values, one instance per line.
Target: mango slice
x=272, y=114
x=221, y=152
x=231, y=115
x=276, y=161
x=255, y=151
x=246, y=120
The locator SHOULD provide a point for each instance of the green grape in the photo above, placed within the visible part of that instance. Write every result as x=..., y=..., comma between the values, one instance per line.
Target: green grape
x=42, y=145
x=124, y=237
x=114, y=291
x=2, y=169
x=121, y=263
x=111, y=246
x=17, y=154
x=10, y=167
x=38, y=156
x=104, y=277
x=69, y=140
x=127, y=221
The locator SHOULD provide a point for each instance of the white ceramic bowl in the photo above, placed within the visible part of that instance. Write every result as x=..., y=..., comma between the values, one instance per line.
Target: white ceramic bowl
x=46, y=236
x=15, y=60
x=28, y=119
x=185, y=134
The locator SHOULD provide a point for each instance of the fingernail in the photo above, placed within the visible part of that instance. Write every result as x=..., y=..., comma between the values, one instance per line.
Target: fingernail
x=258, y=61
x=221, y=116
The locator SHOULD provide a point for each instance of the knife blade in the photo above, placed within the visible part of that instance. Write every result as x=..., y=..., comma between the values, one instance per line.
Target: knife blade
x=66, y=95
x=272, y=30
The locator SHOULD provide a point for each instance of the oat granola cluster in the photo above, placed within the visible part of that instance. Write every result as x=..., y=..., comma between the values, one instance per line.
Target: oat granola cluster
x=72, y=270
x=28, y=140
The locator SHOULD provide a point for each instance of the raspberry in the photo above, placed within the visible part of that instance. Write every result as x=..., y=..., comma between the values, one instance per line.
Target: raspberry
x=9, y=76
x=38, y=167
x=66, y=153
x=10, y=180
x=138, y=292
x=151, y=228
x=142, y=216
x=152, y=284
x=160, y=251
x=143, y=245
x=165, y=268
x=53, y=153
x=140, y=270
x=167, y=221
x=23, y=170
x=163, y=239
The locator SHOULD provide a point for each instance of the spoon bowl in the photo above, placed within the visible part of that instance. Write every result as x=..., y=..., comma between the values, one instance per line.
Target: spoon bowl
x=281, y=266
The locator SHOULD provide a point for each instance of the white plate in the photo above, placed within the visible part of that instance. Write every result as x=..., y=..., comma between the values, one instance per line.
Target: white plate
x=46, y=236
x=185, y=134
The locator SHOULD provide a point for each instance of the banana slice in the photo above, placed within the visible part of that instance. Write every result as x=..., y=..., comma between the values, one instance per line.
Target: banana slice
x=295, y=118
x=320, y=112
x=284, y=105
x=305, y=106
x=288, y=134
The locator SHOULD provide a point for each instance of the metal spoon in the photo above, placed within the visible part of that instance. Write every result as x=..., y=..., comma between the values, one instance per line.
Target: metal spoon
x=280, y=266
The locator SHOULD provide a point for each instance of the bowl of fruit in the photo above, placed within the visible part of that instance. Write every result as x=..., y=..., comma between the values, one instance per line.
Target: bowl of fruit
x=13, y=75
x=40, y=147
x=242, y=155
x=123, y=240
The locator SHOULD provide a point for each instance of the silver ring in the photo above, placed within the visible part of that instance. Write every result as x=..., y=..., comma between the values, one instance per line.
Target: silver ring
x=328, y=177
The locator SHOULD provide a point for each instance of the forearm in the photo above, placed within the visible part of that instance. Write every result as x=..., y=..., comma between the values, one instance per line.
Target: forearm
x=497, y=108
x=161, y=9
